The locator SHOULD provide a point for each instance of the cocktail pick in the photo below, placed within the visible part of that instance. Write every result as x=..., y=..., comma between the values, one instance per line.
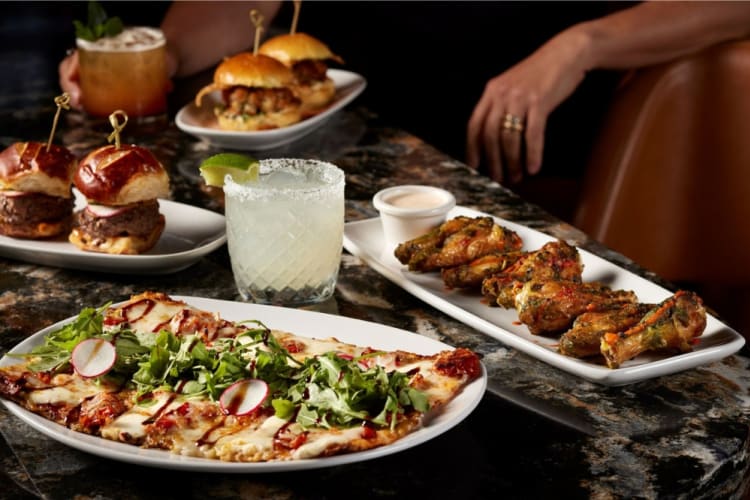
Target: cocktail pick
x=114, y=120
x=62, y=101
x=257, y=19
x=297, y=5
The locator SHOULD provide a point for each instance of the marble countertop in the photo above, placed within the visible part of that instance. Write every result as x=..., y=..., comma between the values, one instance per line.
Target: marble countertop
x=537, y=432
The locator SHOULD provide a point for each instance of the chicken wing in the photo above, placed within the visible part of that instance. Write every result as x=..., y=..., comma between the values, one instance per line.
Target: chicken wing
x=556, y=260
x=431, y=241
x=584, y=337
x=552, y=306
x=471, y=275
x=673, y=326
x=480, y=236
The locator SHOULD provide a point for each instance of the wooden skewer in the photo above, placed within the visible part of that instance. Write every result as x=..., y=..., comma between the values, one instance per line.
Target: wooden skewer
x=297, y=5
x=117, y=126
x=62, y=101
x=257, y=19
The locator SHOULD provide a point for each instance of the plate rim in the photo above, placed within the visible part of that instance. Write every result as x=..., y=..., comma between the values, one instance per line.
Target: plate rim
x=586, y=370
x=471, y=395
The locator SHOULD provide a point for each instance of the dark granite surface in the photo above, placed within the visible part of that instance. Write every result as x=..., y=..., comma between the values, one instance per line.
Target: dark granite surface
x=538, y=432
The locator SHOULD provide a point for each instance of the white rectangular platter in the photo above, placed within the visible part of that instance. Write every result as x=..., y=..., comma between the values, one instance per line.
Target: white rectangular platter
x=364, y=239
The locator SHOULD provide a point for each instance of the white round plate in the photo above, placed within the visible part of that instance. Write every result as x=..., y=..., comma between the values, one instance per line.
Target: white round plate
x=300, y=322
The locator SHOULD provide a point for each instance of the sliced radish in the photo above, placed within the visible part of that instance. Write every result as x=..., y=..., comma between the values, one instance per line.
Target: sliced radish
x=243, y=396
x=104, y=210
x=363, y=365
x=93, y=357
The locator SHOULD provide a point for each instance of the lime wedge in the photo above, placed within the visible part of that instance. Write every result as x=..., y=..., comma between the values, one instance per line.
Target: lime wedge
x=241, y=167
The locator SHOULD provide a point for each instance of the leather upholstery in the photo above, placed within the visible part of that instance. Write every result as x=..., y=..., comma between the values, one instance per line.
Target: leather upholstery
x=668, y=182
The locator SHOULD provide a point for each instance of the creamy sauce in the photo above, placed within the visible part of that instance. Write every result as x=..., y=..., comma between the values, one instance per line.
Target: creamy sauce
x=416, y=199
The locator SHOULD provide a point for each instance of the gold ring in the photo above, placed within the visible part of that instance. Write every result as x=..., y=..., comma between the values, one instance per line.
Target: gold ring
x=513, y=122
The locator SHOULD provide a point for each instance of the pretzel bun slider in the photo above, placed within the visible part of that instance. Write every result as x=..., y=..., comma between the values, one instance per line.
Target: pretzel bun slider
x=121, y=184
x=256, y=93
x=36, y=200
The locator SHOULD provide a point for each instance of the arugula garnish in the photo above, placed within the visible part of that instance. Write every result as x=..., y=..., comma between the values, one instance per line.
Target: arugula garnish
x=54, y=354
x=327, y=390
x=97, y=25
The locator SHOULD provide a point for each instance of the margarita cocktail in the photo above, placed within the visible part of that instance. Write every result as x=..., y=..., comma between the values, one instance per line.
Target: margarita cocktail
x=285, y=231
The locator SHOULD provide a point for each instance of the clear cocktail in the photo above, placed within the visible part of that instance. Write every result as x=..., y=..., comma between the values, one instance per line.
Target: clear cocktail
x=126, y=72
x=285, y=231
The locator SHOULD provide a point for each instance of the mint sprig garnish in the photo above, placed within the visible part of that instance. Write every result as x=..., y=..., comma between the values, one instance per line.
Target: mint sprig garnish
x=97, y=25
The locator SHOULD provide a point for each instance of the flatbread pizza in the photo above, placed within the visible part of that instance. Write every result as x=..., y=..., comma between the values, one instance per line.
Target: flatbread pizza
x=158, y=373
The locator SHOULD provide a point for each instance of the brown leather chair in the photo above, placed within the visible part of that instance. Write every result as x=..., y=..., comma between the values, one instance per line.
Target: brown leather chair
x=668, y=182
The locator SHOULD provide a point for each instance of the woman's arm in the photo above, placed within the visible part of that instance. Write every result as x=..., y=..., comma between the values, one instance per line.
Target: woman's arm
x=647, y=33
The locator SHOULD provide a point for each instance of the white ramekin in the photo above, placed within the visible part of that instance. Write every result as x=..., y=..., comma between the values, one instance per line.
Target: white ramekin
x=404, y=223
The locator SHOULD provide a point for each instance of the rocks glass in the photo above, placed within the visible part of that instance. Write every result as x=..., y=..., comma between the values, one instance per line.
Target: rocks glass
x=126, y=72
x=285, y=231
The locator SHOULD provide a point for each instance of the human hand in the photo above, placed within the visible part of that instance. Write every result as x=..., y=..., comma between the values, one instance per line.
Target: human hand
x=507, y=125
x=69, y=78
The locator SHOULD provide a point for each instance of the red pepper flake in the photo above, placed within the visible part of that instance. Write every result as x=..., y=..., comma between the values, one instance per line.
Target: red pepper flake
x=368, y=432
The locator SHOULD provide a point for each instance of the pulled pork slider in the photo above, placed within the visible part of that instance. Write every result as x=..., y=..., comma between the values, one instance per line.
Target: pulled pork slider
x=122, y=186
x=256, y=93
x=36, y=200
x=308, y=59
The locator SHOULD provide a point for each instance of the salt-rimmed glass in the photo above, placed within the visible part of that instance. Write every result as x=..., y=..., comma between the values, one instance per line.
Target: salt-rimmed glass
x=285, y=231
x=127, y=72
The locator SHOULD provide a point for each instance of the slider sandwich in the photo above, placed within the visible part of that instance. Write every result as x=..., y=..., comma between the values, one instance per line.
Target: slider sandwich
x=308, y=59
x=121, y=184
x=256, y=93
x=36, y=200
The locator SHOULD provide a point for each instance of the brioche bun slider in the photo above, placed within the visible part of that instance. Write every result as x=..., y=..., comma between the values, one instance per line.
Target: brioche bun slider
x=121, y=185
x=36, y=200
x=308, y=59
x=256, y=93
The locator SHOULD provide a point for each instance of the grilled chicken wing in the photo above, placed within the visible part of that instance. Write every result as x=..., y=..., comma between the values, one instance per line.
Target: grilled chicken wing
x=552, y=306
x=556, y=260
x=672, y=325
x=430, y=242
x=471, y=275
x=481, y=236
x=585, y=336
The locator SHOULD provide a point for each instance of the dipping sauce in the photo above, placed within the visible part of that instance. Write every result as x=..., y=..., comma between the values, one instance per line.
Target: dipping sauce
x=416, y=199
x=408, y=211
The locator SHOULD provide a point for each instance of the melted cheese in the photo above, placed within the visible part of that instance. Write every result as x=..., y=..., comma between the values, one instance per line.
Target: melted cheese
x=251, y=443
x=68, y=390
x=323, y=441
x=160, y=314
x=129, y=426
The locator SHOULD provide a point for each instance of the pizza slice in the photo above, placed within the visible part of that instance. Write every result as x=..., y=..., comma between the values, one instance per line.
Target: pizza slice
x=158, y=373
